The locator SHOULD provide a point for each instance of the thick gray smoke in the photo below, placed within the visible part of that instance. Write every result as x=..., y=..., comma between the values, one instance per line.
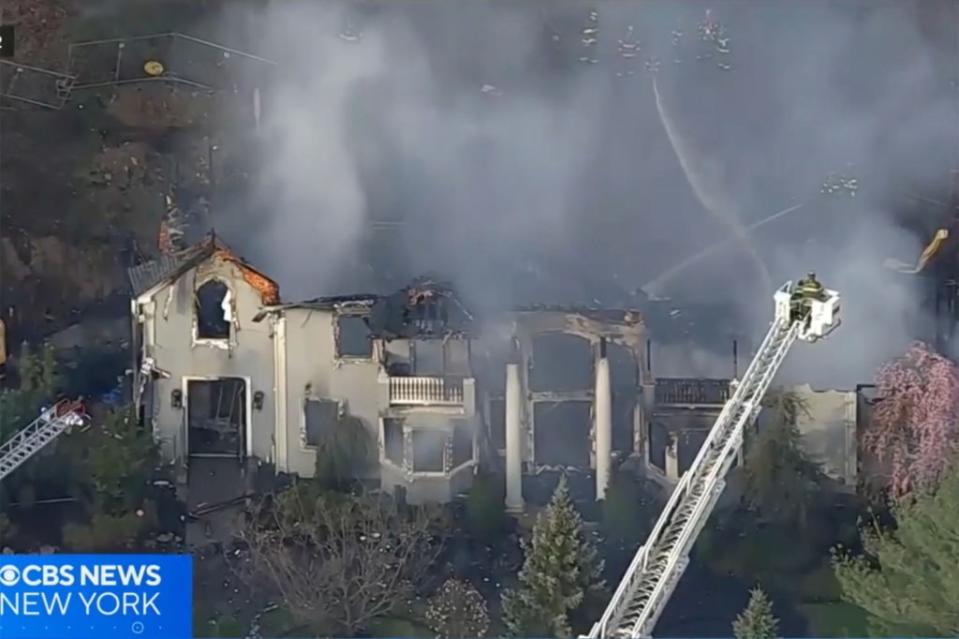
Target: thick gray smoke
x=470, y=140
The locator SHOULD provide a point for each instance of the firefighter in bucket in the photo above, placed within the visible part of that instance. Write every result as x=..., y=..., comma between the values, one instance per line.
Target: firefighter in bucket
x=807, y=289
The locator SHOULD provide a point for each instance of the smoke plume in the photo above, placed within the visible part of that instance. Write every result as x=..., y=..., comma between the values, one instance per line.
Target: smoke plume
x=478, y=141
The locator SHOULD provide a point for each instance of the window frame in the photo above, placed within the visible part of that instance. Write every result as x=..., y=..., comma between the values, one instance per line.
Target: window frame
x=384, y=455
x=445, y=360
x=408, y=432
x=451, y=448
x=305, y=446
x=337, y=354
x=218, y=342
x=445, y=471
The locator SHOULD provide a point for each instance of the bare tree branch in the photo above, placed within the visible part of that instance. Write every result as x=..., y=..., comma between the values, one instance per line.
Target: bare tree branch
x=339, y=561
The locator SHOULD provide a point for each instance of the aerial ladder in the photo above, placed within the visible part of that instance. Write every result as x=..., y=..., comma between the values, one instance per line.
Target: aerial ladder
x=804, y=311
x=28, y=441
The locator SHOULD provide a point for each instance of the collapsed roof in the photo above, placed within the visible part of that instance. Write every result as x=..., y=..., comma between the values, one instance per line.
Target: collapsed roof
x=427, y=308
x=424, y=309
x=170, y=266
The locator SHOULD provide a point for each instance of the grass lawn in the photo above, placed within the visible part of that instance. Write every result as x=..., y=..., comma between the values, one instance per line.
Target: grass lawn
x=225, y=626
x=399, y=627
x=819, y=585
x=277, y=623
x=836, y=619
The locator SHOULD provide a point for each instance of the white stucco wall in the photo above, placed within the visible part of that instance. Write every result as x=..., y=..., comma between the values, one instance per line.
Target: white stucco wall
x=310, y=359
x=168, y=338
x=306, y=355
x=828, y=431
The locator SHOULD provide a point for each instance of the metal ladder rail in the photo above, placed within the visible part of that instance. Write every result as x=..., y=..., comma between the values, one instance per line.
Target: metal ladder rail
x=640, y=564
x=33, y=437
x=704, y=488
x=640, y=586
x=708, y=491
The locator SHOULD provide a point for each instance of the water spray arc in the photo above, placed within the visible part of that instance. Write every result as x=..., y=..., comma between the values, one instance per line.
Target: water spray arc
x=654, y=285
x=705, y=193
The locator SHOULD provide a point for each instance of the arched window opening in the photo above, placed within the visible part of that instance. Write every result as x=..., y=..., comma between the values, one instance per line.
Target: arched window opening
x=213, y=314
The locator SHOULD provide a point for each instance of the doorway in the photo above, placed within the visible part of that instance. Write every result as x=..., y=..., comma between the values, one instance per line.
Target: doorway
x=216, y=417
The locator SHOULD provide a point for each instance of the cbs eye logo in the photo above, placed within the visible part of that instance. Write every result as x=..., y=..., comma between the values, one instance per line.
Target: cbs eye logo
x=9, y=576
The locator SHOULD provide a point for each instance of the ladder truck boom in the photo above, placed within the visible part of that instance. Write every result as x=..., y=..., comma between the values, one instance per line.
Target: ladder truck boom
x=805, y=311
x=29, y=440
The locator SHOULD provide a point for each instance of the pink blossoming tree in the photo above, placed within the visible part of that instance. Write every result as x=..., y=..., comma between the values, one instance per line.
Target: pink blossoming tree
x=915, y=425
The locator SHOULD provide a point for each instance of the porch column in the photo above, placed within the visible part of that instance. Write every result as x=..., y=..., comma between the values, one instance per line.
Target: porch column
x=604, y=427
x=514, y=440
x=672, y=456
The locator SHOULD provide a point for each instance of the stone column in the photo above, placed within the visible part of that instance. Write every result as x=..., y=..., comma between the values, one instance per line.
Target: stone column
x=514, y=439
x=604, y=427
x=647, y=401
x=672, y=456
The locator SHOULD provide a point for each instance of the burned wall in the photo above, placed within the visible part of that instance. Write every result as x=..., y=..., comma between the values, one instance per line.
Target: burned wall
x=314, y=369
x=560, y=362
x=624, y=378
x=558, y=350
x=424, y=449
x=679, y=433
x=561, y=434
x=171, y=339
x=827, y=425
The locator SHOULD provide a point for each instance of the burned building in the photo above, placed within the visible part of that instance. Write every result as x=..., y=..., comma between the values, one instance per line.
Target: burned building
x=224, y=370
x=571, y=394
x=399, y=365
x=204, y=370
x=227, y=371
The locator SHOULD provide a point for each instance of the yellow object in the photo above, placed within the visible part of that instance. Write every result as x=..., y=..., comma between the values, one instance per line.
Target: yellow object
x=928, y=253
x=153, y=68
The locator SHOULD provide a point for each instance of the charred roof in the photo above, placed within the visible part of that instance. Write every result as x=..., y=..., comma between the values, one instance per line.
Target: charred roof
x=170, y=266
x=427, y=308
x=627, y=316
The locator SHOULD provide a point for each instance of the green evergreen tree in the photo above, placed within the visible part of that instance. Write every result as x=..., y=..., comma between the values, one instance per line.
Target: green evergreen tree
x=122, y=457
x=561, y=568
x=38, y=371
x=908, y=580
x=757, y=620
x=781, y=483
x=38, y=377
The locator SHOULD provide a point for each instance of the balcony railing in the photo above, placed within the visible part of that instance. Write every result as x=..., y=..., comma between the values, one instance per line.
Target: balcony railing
x=692, y=391
x=426, y=391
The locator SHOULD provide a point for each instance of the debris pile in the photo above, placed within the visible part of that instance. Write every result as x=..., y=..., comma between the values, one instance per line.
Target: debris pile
x=119, y=167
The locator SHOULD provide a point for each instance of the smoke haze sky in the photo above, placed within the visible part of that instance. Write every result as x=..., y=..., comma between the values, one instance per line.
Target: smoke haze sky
x=524, y=174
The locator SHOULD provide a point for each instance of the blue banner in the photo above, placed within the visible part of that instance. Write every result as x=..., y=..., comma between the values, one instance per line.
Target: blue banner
x=96, y=596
